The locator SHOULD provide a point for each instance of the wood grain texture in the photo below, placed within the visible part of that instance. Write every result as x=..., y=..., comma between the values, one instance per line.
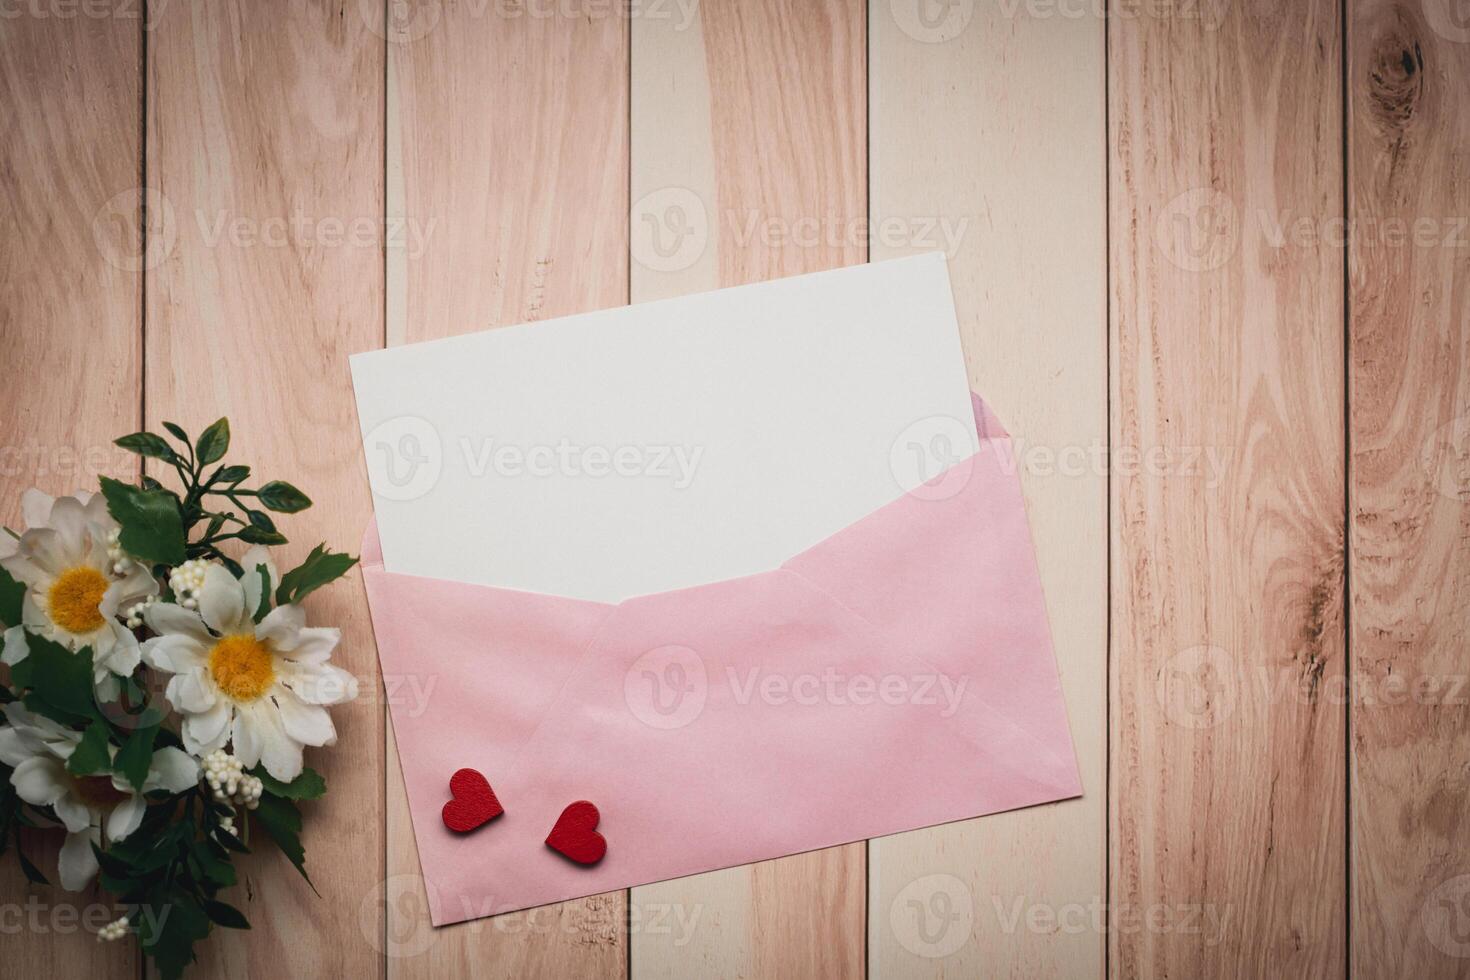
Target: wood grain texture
x=989, y=141
x=1409, y=164
x=748, y=163
x=264, y=140
x=70, y=335
x=507, y=161
x=1227, y=740
x=525, y=180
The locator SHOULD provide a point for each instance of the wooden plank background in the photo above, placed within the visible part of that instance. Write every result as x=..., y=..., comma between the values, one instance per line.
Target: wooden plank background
x=1228, y=759
x=968, y=134
x=272, y=275
x=69, y=163
x=1212, y=266
x=751, y=169
x=1409, y=156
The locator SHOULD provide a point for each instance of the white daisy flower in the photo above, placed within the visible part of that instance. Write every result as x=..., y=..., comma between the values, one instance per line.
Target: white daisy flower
x=92, y=808
x=76, y=583
x=261, y=687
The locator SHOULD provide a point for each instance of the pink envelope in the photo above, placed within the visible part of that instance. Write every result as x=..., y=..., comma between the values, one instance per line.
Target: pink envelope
x=897, y=675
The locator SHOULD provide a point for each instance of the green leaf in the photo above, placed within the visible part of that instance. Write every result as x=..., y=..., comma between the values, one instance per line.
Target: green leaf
x=230, y=842
x=215, y=523
x=168, y=930
x=40, y=706
x=177, y=432
x=265, y=592
x=213, y=442
x=91, y=755
x=136, y=755
x=214, y=862
x=308, y=786
x=319, y=568
x=282, y=497
x=144, y=851
x=226, y=915
x=11, y=594
x=282, y=822
x=261, y=519
x=255, y=535
x=113, y=863
x=151, y=527
x=59, y=677
x=33, y=874
x=230, y=474
x=148, y=444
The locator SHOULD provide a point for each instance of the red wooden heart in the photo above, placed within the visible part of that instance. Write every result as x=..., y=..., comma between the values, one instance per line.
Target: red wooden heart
x=575, y=835
x=474, y=802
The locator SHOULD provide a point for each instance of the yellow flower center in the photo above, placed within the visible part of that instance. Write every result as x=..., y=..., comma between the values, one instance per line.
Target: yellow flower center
x=242, y=666
x=73, y=600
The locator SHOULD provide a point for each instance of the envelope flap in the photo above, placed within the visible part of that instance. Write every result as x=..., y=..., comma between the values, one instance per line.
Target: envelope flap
x=468, y=673
x=731, y=723
x=949, y=571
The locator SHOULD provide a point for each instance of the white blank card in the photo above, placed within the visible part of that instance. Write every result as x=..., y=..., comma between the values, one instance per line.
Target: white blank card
x=668, y=444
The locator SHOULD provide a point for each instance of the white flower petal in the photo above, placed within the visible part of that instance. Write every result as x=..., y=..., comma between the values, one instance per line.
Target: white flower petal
x=137, y=585
x=305, y=723
x=97, y=514
x=244, y=739
x=222, y=601
x=325, y=684
x=96, y=552
x=172, y=769
x=16, y=713
x=257, y=555
x=69, y=519
x=32, y=615
x=40, y=734
x=35, y=507
x=16, y=649
x=254, y=558
x=281, y=627
x=40, y=780
x=125, y=817
x=208, y=730
x=191, y=693
x=165, y=618
x=77, y=864
x=280, y=755
x=73, y=813
x=250, y=585
x=13, y=748
x=39, y=556
x=259, y=737
x=314, y=644
x=174, y=652
x=122, y=655
x=106, y=686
